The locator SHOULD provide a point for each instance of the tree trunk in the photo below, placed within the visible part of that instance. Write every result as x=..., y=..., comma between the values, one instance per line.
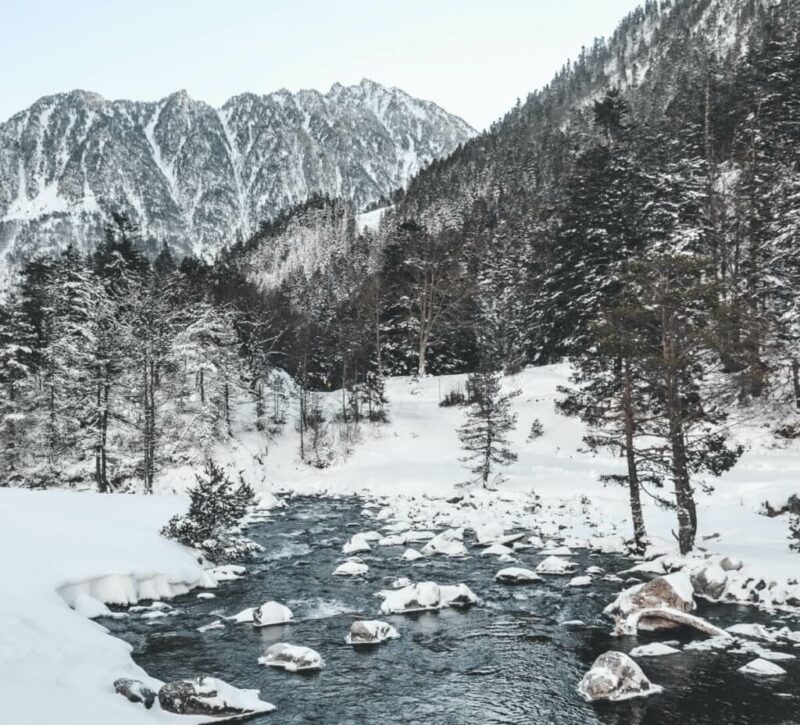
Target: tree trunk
x=637, y=516
x=796, y=381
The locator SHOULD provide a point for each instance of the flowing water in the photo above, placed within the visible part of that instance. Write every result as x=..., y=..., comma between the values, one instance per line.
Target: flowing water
x=507, y=661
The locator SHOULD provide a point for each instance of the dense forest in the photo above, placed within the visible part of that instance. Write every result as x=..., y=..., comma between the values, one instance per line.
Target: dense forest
x=639, y=215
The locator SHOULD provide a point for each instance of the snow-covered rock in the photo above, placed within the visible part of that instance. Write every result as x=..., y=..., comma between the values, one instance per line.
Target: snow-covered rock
x=356, y=545
x=709, y=580
x=497, y=550
x=411, y=555
x=580, y=581
x=557, y=551
x=212, y=697
x=400, y=582
x=556, y=565
x=654, y=649
x=135, y=691
x=614, y=676
x=414, y=537
x=426, y=596
x=292, y=658
x=517, y=575
x=762, y=668
x=351, y=567
x=751, y=630
x=673, y=591
x=371, y=536
x=536, y=542
x=489, y=532
x=228, y=572
x=448, y=543
x=393, y=540
x=367, y=632
x=271, y=613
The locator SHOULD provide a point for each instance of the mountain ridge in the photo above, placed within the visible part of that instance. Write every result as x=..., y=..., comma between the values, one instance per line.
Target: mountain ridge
x=199, y=177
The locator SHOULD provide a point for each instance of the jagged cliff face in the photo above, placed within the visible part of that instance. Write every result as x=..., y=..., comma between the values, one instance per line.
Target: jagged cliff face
x=199, y=177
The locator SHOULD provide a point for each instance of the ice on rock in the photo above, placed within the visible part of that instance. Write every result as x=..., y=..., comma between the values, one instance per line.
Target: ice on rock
x=517, y=575
x=369, y=632
x=614, y=677
x=762, y=668
x=497, y=550
x=411, y=555
x=351, y=567
x=292, y=658
x=356, y=545
x=448, y=543
x=271, y=613
x=655, y=649
x=556, y=565
x=580, y=581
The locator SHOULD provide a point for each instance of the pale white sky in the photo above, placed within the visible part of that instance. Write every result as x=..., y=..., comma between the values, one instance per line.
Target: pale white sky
x=472, y=57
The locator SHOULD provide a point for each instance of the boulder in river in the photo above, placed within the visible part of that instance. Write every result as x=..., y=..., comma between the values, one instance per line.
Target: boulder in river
x=448, y=543
x=271, y=613
x=292, y=658
x=411, y=555
x=762, y=668
x=351, y=567
x=709, y=580
x=135, y=691
x=517, y=575
x=211, y=697
x=368, y=632
x=556, y=565
x=615, y=676
x=427, y=596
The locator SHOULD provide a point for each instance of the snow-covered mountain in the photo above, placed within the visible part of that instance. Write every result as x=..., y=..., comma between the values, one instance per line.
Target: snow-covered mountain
x=199, y=177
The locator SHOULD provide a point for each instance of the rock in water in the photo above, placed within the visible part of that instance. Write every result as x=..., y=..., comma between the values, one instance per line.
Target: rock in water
x=457, y=596
x=357, y=544
x=292, y=658
x=762, y=668
x=411, y=555
x=673, y=592
x=615, y=676
x=426, y=596
x=556, y=565
x=448, y=543
x=271, y=613
x=709, y=580
x=517, y=575
x=135, y=691
x=364, y=632
x=351, y=567
x=212, y=697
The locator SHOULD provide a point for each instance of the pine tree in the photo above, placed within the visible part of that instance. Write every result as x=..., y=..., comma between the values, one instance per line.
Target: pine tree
x=485, y=433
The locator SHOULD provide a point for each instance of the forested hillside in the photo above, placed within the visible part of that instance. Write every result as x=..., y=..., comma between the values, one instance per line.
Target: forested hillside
x=639, y=215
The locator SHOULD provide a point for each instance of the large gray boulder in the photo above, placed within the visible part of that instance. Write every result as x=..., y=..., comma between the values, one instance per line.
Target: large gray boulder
x=615, y=676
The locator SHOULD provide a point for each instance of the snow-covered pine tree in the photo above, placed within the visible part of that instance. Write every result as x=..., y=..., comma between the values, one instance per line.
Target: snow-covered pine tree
x=484, y=435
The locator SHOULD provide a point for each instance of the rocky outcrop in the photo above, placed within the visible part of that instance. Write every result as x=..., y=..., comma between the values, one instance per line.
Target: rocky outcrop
x=614, y=676
x=292, y=658
x=369, y=632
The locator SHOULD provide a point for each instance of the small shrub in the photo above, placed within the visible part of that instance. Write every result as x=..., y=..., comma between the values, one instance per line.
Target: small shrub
x=214, y=520
x=452, y=398
x=537, y=430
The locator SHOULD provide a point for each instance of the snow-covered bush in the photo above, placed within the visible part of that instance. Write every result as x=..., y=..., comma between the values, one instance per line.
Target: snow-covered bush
x=452, y=398
x=213, y=522
x=537, y=430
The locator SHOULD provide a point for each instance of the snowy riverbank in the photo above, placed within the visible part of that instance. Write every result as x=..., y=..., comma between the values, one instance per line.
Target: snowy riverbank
x=58, y=546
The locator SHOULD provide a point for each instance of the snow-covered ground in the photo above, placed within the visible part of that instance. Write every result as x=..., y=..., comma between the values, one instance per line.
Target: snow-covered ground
x=60, y=548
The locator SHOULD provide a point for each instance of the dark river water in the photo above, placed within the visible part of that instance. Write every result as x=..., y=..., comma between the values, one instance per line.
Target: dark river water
x=506, y=661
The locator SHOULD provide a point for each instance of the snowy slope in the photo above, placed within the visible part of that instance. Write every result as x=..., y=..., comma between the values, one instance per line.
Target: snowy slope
x=199, y=177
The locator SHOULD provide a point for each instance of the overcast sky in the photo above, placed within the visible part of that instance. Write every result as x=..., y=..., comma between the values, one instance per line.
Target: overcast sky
x=472, y=57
